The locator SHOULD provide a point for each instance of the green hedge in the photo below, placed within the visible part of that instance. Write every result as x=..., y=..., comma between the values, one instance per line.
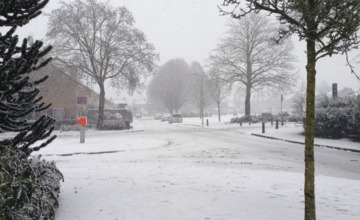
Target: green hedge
x=28, y=188
x=337, y=118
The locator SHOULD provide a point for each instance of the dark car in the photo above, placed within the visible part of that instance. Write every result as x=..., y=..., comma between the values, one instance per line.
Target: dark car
x=113, y=118
x=176, y=118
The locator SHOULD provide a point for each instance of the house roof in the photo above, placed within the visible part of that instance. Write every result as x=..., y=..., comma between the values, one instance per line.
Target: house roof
x=55, y=64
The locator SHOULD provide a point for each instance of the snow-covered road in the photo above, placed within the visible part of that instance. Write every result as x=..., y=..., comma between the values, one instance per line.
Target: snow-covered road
x=184, y=171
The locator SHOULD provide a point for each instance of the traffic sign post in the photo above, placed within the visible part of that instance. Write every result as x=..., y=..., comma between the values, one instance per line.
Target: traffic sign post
x=83, y=122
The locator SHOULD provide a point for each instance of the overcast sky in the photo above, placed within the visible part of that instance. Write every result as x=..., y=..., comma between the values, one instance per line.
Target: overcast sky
x=190, y=29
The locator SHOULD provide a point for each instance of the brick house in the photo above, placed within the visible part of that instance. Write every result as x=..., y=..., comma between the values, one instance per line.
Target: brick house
x=69, y=97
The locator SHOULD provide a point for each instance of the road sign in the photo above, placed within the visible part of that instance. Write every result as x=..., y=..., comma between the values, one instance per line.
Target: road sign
x=82, y=121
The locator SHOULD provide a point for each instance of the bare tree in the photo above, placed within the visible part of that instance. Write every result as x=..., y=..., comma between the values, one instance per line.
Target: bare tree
x=170, y=86
x=329, y=27
x=103, y=43
x=299, y=101
x=218, y=89
x=249, y=58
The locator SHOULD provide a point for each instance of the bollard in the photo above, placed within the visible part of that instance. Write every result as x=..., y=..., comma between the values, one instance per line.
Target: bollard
x=240, y=123
x=277, y=124
x=83, y=122
x=207, y=122
x=82, y=134
x=127, y=125
x=263, y=127
x=304, y=122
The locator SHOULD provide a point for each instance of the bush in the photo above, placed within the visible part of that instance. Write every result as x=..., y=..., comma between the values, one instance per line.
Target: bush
x=356, y=127
x=29, y=188
x=44, y=200
x=336, y=118
x=295, y=118
x=252, y=119
x=67, y=125
x=17, y=184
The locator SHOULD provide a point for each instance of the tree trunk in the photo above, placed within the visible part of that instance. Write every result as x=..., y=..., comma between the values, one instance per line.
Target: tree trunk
x=219, y=111
x=247, y=100
x=170, y=110
x=309, y=191
x=100, y=122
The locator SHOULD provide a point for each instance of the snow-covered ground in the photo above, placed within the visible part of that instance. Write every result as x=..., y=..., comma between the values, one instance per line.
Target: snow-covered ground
x=293, y=132
x=186, y=171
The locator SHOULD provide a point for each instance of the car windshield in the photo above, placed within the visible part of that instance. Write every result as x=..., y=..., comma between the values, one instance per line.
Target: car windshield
x=177, y=115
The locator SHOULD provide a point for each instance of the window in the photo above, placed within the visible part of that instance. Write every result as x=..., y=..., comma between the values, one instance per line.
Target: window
x=59, y=113
x=81, y=100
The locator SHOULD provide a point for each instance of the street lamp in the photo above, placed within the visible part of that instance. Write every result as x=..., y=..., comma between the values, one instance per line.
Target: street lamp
x=281, y=114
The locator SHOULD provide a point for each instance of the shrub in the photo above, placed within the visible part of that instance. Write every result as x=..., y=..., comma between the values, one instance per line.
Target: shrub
x=44, y=200
x=336, y=118
x=17, y=184
x=356, y=127
x=252, y=119
x=28, y=188
x=295, y=118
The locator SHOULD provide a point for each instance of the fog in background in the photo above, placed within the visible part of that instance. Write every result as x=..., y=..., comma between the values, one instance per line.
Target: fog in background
x=190, y=29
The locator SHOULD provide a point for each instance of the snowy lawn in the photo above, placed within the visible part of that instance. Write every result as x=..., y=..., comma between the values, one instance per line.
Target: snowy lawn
x=172, y=171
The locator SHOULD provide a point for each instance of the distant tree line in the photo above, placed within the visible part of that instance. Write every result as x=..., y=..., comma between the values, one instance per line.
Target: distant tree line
x=246, y=59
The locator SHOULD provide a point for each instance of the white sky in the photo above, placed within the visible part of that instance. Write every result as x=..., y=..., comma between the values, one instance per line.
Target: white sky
x=190, y=29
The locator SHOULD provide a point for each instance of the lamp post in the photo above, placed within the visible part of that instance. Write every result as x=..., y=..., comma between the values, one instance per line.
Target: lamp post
x=281, y=113
x=202, y=100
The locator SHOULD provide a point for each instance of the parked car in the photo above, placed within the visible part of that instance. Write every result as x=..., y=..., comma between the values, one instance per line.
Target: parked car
x=113, y=118
x=138, y=115
x=265, y=116
x=176, y=118
x=158, y=116
x=166, y=117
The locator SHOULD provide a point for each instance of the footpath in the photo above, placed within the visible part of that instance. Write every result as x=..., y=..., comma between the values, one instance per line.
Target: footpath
x=294, y=134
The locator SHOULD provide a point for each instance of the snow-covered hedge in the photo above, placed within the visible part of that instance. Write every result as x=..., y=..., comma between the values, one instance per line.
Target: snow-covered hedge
x=243, y=119
x=44, y=201
x=17, y=183
x=67, y=125
x=337, y=118
x=28, y=188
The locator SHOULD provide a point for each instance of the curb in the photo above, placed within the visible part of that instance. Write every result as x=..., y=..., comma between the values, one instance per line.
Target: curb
x=84, y=153
x=317, y=145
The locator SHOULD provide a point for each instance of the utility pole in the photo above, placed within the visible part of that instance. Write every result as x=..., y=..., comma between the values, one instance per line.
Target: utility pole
x=281, y=114
x=202, y=100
